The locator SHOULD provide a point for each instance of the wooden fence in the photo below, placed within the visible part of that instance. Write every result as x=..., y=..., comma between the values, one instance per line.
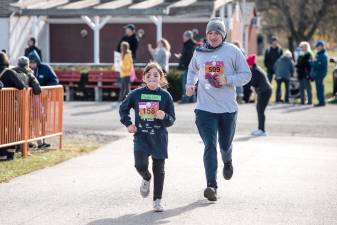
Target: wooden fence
x=25, y=117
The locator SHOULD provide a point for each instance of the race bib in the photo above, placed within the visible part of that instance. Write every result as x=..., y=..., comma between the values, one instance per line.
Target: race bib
x=214, y=68
x=147, y=110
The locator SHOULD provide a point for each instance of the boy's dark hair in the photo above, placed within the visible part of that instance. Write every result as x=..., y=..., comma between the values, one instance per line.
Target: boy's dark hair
x=33, y=40
x=163, y=80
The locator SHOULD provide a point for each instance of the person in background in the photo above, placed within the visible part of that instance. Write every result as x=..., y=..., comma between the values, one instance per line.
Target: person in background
x=319, y=71
x=263, y=90
x=26, y=74
x=42, y=71
x=32, y=47
x=161, y=54
x=46, y=77
x=8, y=78
x=284, y=69
x=131, y=38
x=184, y=60
x=303, y=67
x=126, y=68
x=272, y=54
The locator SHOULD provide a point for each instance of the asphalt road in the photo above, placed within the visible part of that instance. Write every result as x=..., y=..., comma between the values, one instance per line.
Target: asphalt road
x=282, y=119
x=286, y=178
x=277, y=180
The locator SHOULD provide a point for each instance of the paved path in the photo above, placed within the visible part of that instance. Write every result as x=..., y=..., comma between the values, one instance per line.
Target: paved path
x=282, y=119
x=277, y=180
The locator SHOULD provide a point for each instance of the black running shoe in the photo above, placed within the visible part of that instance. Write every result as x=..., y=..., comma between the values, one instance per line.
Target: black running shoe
x=210, y=194
x=228, y=170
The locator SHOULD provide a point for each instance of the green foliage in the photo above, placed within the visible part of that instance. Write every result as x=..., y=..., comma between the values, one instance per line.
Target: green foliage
x=174, y=80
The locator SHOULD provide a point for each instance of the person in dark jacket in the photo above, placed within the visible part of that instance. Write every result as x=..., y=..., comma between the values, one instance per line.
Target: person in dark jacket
x=319, y=71
x=284, y=69
x=154, y=111
x=46, y=77
x=263, y=90
x=184, y=60
x=43, y=72
x=27, y=75
x=131, y=38
x=303, y=72
x=271, y=55
x=8, y=78
x=32, y=47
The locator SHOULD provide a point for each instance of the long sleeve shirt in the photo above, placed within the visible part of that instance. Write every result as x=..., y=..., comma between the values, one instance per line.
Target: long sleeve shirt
x=227, y=61
x=151, y=136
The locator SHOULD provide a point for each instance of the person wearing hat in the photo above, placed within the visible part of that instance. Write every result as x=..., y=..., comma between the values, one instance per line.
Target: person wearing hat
x=263, y=90
x=42, y=71
x=218, y=67
x=131, y=38
x=319, y=70
x=27, y=75
x=46, y=77
x=284, y=69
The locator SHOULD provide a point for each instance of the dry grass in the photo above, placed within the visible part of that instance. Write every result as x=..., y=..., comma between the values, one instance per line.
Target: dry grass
x=41, y=159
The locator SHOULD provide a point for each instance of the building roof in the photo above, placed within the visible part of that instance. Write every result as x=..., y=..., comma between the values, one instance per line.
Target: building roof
x=4, y=7
x=71, y=8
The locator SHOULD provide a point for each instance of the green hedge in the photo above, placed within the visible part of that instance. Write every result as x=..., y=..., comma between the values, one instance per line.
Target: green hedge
x=174, y=80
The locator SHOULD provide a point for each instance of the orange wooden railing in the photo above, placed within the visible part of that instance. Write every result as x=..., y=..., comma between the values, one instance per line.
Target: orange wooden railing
x=25, y=117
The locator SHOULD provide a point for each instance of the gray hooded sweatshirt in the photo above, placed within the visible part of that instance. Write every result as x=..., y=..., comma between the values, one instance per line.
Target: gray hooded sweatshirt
x=226, y=60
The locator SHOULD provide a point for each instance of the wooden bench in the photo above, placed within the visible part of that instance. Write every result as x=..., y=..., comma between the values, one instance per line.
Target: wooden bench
x=70, y=80
x=101, y=80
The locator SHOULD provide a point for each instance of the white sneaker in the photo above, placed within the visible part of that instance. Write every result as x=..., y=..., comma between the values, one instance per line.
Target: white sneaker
x=145, y=188
x=259, y=133
x=157, y=206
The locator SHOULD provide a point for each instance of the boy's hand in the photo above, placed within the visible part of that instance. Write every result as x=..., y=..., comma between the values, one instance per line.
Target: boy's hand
x=132, y=128
x=160, y=114
x=190, y=90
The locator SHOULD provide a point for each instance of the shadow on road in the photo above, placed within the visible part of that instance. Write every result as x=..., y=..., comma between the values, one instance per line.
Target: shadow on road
x=297, y=109
x=150, y=217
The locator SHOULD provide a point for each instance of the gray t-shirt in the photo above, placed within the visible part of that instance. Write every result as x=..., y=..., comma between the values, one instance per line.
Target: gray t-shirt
x=161, y=56
x=227, y=61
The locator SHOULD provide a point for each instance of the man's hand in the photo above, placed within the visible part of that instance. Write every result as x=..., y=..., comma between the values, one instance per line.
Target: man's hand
x=220, y=80
x=160, y=114
x=190, y=90
x=132, y=128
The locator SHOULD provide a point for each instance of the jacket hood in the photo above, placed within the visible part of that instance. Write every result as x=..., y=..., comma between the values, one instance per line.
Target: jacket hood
x=34, y=57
